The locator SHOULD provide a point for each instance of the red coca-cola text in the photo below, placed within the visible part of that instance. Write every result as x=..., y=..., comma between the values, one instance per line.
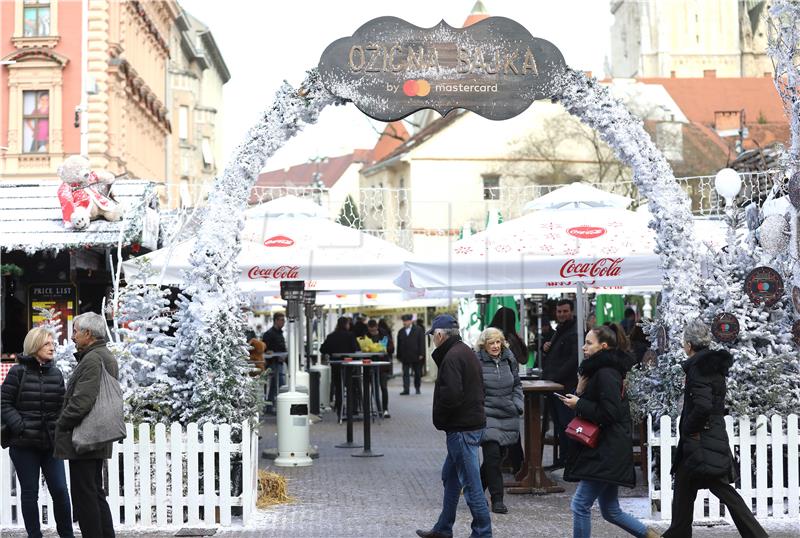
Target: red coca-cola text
x=281, y=272
x=586, y=232
x=603, y=267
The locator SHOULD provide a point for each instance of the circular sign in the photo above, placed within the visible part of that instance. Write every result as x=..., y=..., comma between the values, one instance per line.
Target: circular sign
x=793, y=186
x=796, y=332
x=763, y=285
x=725, y=327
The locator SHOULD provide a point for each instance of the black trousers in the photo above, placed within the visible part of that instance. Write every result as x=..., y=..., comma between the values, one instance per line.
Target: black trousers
x=384, y=382
x=685, y=492
x=491, y=475
x=561, y=415
x=89, y=498
x=407, y=366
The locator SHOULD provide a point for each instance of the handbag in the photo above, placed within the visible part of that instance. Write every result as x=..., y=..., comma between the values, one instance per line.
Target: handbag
x=585, y=431
x=105, y=423
x=5, y=431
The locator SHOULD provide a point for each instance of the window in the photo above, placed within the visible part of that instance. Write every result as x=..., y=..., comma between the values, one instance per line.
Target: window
x=36, y=18
x=208, y=155
x=491, y=186
x=183, y=123
x=35, y=121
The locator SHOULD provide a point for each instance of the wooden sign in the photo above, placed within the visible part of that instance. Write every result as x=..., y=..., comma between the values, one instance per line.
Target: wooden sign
x=725, y=327
x=764, y=285
x=389, y=68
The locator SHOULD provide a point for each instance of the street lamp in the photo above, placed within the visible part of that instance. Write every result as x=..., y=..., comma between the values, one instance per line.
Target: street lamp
x=727, y=183
x=293, y=425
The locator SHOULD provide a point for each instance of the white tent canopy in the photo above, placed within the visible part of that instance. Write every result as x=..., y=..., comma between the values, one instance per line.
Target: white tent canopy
x=602, y=248
x=286, y=206
x=576, y=196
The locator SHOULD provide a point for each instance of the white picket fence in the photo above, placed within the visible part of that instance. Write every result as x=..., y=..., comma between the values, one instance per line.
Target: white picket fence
x=163, y=480
x=768, y=468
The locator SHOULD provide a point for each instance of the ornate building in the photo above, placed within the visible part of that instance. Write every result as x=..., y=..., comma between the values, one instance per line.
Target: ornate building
x=687, y=38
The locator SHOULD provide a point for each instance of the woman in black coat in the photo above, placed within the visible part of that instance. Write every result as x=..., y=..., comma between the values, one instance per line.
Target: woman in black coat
x=505, y=319
x=341, y=340
x=503, y=406
x=703, y=459
x=602, y=400
x=31, y=398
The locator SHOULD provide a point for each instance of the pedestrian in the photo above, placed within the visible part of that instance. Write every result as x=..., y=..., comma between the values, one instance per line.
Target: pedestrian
x=341, y=340
x=458, y=411
x=32, y=395
x=561, y=366
x=411, y=352
x=505, y=319
x=629, y=321
x=86, y=469
x=503, y=405
x=276, y=343
x=601, y=399
x=384, y=340
x=703, y=459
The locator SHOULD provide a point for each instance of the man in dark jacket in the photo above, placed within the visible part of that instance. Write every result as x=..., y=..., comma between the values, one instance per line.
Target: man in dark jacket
x=86, y=469
x=276, y=343
x=411, y=352
x=560, y=364
x=703, y=459
x=458, y=411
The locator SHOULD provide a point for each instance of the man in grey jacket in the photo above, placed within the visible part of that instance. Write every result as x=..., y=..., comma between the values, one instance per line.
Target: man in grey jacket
x=86, y=469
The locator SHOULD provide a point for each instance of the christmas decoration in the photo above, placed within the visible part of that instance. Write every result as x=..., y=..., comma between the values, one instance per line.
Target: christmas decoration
x=796, y=298
x=764, y=285
x=796, y=332
x=725, y=327
x=84, y=194
x=773, y=234
x=793, y=187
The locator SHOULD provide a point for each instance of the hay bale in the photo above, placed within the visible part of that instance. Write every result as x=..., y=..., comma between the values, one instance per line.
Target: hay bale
x=272, y=489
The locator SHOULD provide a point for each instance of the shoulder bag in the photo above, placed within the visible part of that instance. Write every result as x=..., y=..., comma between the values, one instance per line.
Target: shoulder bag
x=585, y=431
x=105, y=423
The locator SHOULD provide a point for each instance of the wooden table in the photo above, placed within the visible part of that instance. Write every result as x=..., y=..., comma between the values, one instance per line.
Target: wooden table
x=532, y=478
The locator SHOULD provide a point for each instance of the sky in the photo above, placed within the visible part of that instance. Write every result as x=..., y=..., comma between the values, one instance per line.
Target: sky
x=265, y=42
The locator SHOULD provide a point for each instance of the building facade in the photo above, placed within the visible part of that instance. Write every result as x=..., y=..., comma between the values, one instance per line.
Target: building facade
x=97, y=78
x=685, y=38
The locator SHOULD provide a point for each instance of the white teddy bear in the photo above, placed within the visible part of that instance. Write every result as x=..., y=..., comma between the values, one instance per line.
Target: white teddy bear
x=85, y=194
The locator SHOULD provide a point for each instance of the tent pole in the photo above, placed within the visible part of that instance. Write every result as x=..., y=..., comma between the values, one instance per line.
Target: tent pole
x=581, y=311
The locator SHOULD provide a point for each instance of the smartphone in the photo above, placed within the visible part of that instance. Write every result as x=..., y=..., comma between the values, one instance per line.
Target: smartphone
x=559, y=395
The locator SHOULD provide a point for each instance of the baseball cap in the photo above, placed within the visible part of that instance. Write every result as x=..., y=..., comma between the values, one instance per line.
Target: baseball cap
x=406, y=317
x=443, y=321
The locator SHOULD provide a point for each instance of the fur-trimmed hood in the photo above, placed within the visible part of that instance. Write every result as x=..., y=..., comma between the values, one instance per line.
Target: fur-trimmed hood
x=709, y=362
x=607, y=358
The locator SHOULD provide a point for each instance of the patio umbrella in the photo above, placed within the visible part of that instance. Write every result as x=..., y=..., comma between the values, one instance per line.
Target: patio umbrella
x=577, y=195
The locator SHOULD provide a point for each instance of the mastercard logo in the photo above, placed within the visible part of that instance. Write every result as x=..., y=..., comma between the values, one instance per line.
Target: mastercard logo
x=416, y=88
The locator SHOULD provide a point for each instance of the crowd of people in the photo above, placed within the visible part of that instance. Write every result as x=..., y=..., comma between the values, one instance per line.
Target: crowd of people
x=39, y=414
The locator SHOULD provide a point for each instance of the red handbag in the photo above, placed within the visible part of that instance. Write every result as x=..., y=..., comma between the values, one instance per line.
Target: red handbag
x=585, y=432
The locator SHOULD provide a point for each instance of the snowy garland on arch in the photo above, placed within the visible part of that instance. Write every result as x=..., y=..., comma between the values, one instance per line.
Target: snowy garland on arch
x=657, y=388
x=210, y=357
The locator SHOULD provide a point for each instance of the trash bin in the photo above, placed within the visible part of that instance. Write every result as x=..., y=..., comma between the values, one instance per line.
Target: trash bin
x=313, y=392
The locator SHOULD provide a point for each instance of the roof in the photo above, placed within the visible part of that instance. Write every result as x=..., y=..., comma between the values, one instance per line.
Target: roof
x=417, y=140
x=392, y=137
x=478, y=13
x=700, y=98
x=330, y=169
x=30, y=217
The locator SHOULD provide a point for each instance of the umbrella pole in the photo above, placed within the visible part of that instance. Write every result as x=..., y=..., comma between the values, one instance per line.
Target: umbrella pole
x=581, y=311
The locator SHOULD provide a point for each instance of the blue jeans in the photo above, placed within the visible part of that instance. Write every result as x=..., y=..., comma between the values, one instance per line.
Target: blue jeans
x=28, y=462
x=278, y=379
x=606, y=495
x=461, y=469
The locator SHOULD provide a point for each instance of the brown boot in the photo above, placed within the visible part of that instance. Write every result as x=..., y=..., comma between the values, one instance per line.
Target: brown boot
x=652, y=533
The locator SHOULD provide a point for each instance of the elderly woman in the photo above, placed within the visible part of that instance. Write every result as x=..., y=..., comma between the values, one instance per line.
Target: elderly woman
x=32, y=395
x=704, y=459
x=503, y=406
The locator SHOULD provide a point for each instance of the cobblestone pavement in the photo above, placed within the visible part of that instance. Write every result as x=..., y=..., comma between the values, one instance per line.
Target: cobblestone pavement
x=391, y=496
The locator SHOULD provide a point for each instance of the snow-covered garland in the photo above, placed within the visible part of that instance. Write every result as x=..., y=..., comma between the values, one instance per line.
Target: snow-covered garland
x=210, y=353
x=656, y=389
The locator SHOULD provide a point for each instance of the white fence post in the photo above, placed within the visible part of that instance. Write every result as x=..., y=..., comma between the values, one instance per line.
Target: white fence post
x=777, y=499
x=146, y=479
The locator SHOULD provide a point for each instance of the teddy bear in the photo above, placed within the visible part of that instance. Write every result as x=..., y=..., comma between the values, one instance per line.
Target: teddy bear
x=85, y=194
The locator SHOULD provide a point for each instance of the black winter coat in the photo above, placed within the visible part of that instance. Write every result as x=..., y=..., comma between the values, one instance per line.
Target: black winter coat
x=33, y=420
x=604, y=403
x=340, y=341
x=412, y=346
x=561, y=362
x=458, y=393
x=703, y=446
x=275, y=340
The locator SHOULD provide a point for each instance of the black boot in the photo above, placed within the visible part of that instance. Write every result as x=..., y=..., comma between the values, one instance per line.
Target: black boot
x=497, y=505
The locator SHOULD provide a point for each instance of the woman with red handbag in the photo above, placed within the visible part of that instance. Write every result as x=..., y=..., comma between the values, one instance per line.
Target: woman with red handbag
x=602, y=461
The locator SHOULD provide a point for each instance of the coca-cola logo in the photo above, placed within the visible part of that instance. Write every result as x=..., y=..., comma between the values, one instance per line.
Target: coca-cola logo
x=279, y=241
x=586, y=232
x=281, y=272
x=604, y=267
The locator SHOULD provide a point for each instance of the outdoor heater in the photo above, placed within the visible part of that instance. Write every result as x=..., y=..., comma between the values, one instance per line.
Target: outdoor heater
x=483, y=300
x=323, y=369
x=293, y=425
x=309, y=300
